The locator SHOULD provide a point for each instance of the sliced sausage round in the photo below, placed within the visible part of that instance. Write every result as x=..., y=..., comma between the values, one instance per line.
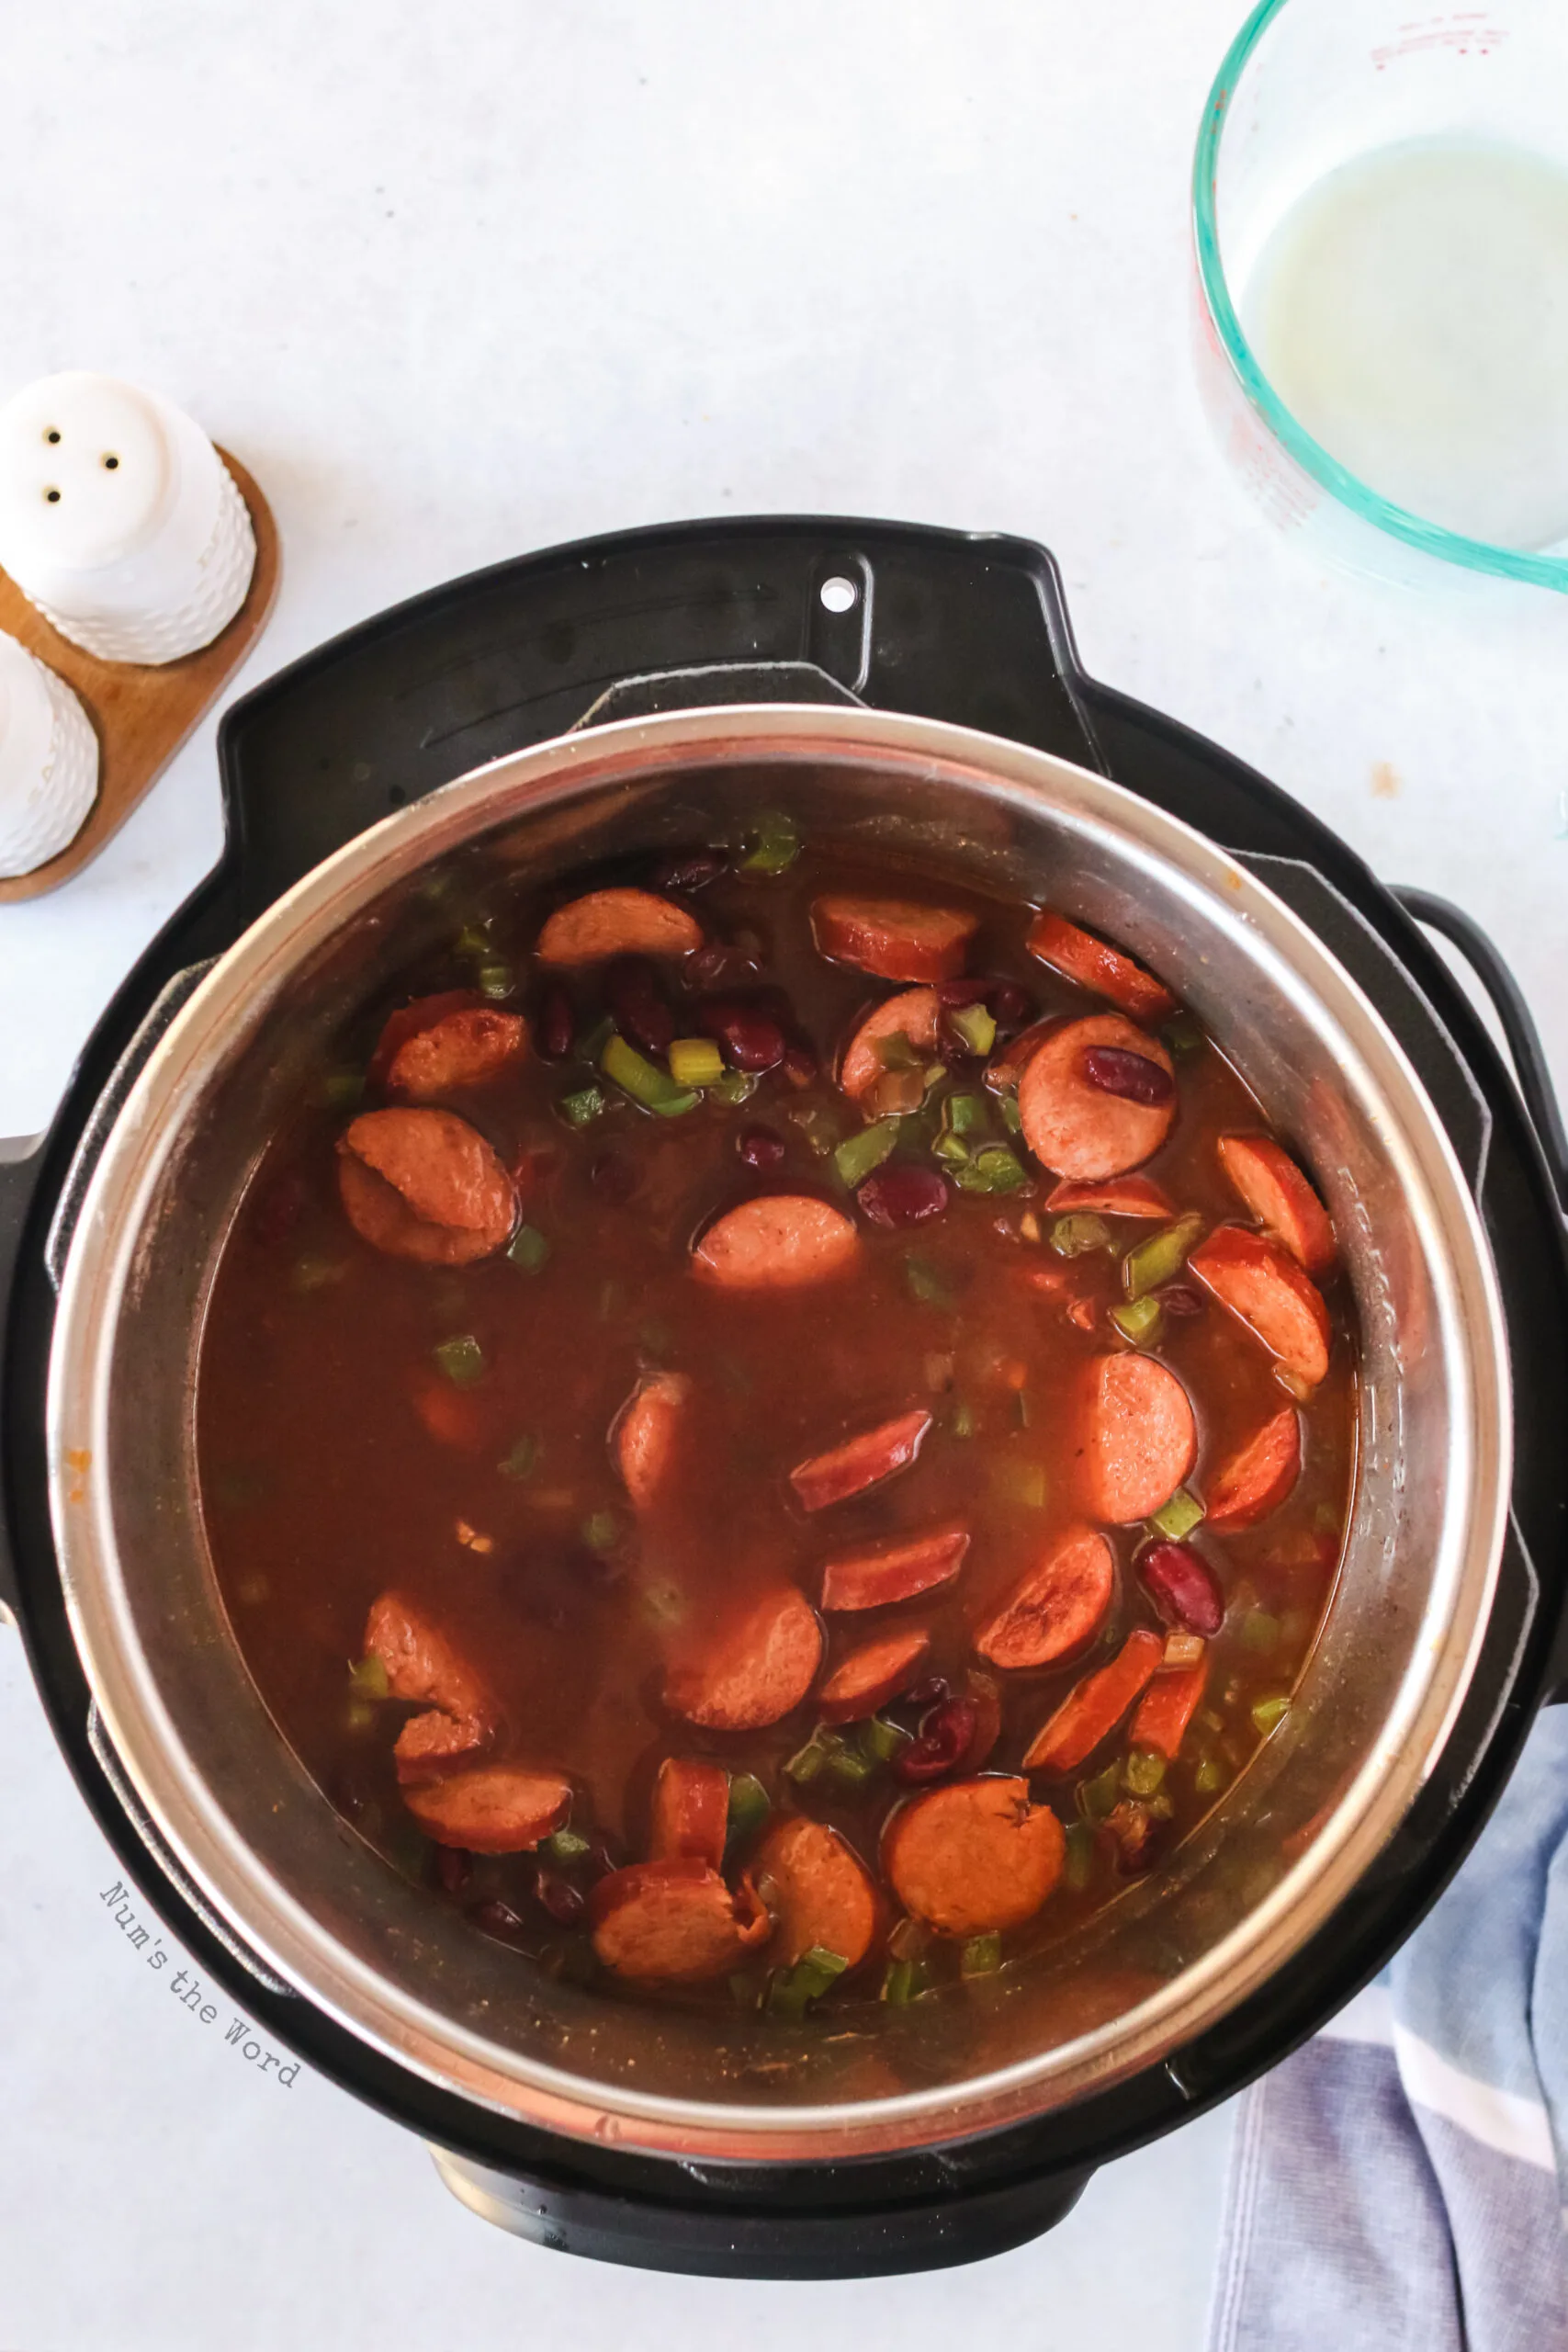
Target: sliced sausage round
x=1167, y=1706
x=1094, y=964
x=895, y=938
x=755, y=1672
x=499, y=1809
x=819, y=1890
x=913, y=1014
x=973, y=1858
x=672, y=1922
x=425, y=1184
x=1093, y=1708
x=1074, y=1127
x=895, y=1570
x=467, y=1048
x=861, y=1462
x=1140, y=1440
x=691, y=1810
x=1263, y=1285
x=617, y=923
x=424, y=1666
x=1279, y=1197
x=872, y=1675
x=1056, y=1606
x=1256, y=1478
x=409, y=1020
x=646, y=1435
x=782, y=1242
x=1117, y=1196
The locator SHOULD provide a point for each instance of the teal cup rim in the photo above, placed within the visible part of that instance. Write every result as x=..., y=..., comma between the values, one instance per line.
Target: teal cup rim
x=1357, y=496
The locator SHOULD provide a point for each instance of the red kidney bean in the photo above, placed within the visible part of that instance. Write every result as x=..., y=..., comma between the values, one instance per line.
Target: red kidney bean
x=692, y=870
x=1132, y=1076
x=719, y=966
x=563, y=1900
x=632, y=994
x=945, y=1735
x=760, y=1147
x=1011, y=1005
x=556, y=1025
x=1184, y=1589
x=962, y=991
x=904, y=1195
x=613, y=1178
x=799, y=1066
x=929, y=1693
x=498, y=1919
x=1181, y=1298
x=454, y=1869
x=748, y=1038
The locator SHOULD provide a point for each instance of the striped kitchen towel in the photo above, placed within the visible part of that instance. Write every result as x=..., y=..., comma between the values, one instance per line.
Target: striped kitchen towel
x=1399, y=2184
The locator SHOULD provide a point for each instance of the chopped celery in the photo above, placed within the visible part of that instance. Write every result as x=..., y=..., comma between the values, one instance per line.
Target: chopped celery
x=925, y=1283
x=568, y=1846
x=1097, y=1797
x=676, y=1106
x=1259, y=1630
x=1013, y=1117
x=775, y=844
x=368, y=1679
x=963, y=1422
x=1178, y=1517
x=1080, y=1854
x=642, y=1080
x=1327, y=1520
x=1210, y=1777
x=896, y=1052
x=462, y=1360
x=904, y=1983
x=851, y=1767
x=882, y=1739
x=748, y=1808
x=1139, y=1321
x=858, y=1155
x=472, y=940
x=1183, y=1037
x=1268, y=1712
x=1143, y=1771
x=806, y=1764
x=495, y=979
x=994, y=1169
x=695, y=1061
x=980, y=1956
x=357, y=1718
x=1024, y=1483
x=587, y=1103
x=792, y=1990
x=601, y=1531
x=967, y=1113
x=951, y=1147
x=1161, y=1257
x=316, y=1273
x=528, y=1248
x=1075, y=1236
x=522, y=1459
x=663, y=1603
x=592, y=1042
x=735, y=1087
x=976, y=1025
x=341, y=1088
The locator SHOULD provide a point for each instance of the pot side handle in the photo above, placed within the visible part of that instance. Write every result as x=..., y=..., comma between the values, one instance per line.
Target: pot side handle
x=21, y=1159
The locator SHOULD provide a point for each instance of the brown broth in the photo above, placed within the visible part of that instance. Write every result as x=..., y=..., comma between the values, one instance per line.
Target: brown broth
x=324, y=1484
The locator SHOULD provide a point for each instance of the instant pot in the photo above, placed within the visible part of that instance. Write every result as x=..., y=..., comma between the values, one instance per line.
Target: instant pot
x=915, y=692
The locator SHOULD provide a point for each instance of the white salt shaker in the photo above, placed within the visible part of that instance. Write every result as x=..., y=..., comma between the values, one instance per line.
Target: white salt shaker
x=49, y=763
x=119, y=519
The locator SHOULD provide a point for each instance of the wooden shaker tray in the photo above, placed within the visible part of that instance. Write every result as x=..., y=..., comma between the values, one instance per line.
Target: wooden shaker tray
x=141, y=715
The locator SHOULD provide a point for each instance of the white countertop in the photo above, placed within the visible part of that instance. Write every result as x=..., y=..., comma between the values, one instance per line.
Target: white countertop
x=454, y=285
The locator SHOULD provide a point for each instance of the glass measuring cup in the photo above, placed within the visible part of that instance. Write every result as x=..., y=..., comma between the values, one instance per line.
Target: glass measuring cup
x=1311, y=95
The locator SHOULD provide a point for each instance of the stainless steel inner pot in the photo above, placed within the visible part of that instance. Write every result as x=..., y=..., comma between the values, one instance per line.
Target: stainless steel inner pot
x=399, y=1968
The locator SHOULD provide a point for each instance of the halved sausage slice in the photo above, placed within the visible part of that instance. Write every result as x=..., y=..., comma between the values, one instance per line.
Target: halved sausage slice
x=1262, y=1284
x=691, y=1810
x=1095, y=964
x=1058, y=1606
x=1259, y=1475
x=1094, y=1707
x=755, y=1672
x=500, y=1809
x=819, y=1890
x=975, y=1856
x=617, y=923
x=1167, y=1706
x=673, y=1922
x=408, y=1021
x=467, y=1048
x=895, y=1570
x=861, y=1462
x=1279, y=1197
x=1008, y=1065
x=1077, y=1129
x=894, y=938
x=872, y=1675
x=1140, y=1439
x=647, y=1432
x=424, y=1667
x=1118, y=1196
x=913, y=1014
x=425, y=1184
x=783, y=1241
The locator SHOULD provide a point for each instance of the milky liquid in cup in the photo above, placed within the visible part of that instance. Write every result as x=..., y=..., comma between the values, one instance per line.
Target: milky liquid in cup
x=1411, y=312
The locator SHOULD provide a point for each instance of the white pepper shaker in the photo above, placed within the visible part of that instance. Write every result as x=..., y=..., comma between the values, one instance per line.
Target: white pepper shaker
x=119, y=519
x=49, y=763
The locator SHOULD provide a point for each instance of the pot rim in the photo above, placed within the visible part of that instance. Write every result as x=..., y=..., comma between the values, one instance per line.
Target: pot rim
x=283, y=1932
